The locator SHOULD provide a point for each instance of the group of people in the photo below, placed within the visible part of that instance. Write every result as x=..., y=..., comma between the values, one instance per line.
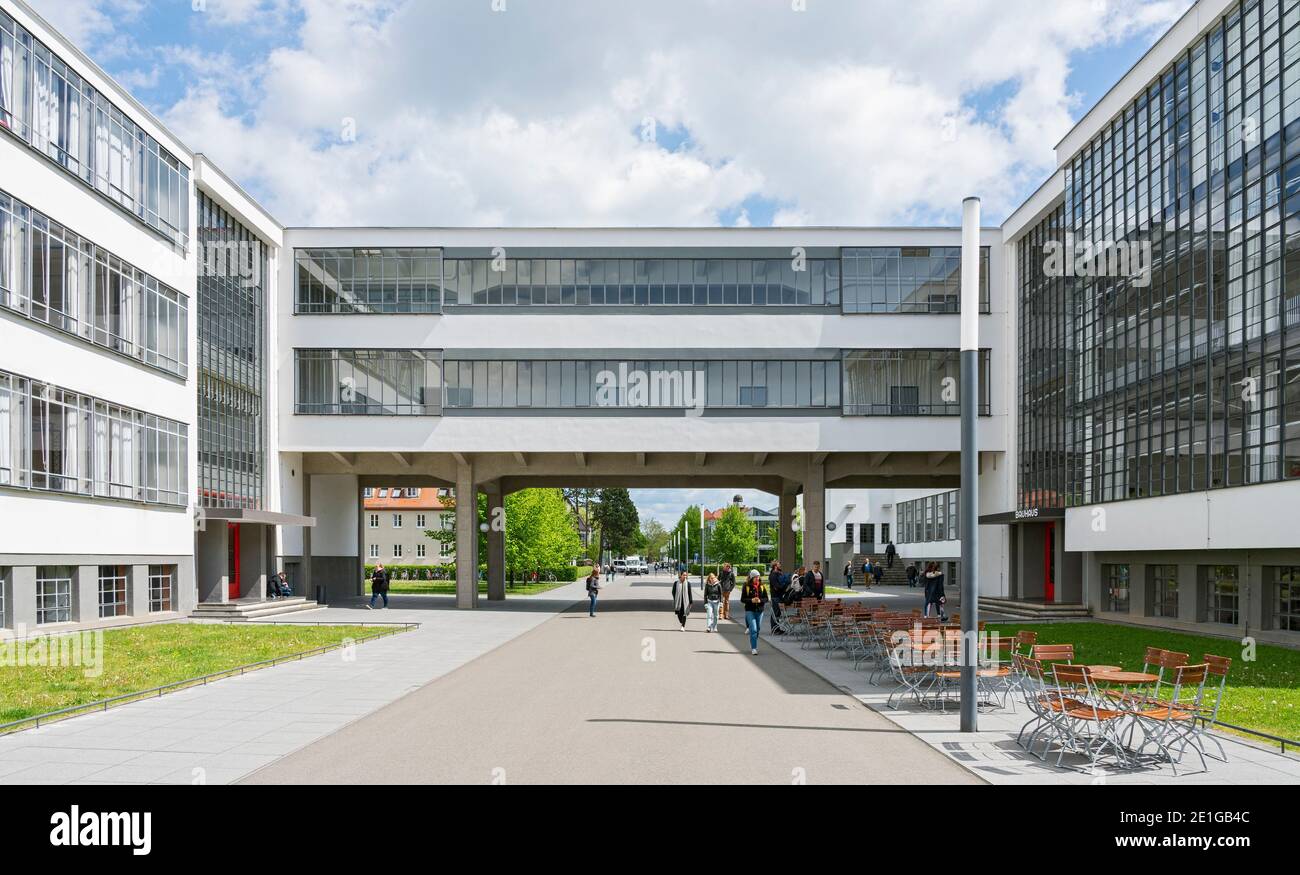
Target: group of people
x=872, y=571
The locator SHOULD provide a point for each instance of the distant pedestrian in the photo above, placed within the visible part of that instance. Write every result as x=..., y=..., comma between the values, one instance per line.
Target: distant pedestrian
x=815, y=583
x=282, y=582
x=911, y=575
x=378, y=586
x=727, y=579
x=593, y=590
x=682, y=598
x=714, y=599
x=776, y=587
x=753, y=596
x=877, y=573
x=867, y=575
x=848, y=574
x=890, y=553
x=934, y=594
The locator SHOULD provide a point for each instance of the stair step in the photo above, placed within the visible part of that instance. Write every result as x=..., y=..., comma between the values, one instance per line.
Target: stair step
x=239, y=612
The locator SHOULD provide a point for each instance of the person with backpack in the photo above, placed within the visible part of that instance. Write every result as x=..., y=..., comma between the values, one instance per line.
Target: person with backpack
x=714, y=599
x=776, y=583
x=727, y=580
x=753, y=596
x=593, y=590
x=378, y=586
x=682, y=598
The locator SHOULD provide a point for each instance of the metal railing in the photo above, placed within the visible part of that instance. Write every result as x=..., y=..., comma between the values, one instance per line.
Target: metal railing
x=103, y=705
x=1276, y=739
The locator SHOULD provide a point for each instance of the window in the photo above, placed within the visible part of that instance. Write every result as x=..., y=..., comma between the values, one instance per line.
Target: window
x=908, y=382
x=848, y=537
x=53, y=594
x=419, y=521
x=374, y=551
x=908, y=279
x=868, y=536
x=4, y=605
x=372, y=280
x=397, y=520
x=374, y=521
x=884, y=533
x=162, y=579
x=1117, y=593
x=112, y=591
x=368, y=382
x=397, y=551
x=929, y=518
x=368, y=492
x=1162, y=581
x=56, y=440
x=447, y=521
x=419, y=551
x=446, y=549
x=1286, y=598
x=1221, y=593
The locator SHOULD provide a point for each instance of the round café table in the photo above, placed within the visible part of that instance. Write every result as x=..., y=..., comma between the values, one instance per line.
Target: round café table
x=1104, y=669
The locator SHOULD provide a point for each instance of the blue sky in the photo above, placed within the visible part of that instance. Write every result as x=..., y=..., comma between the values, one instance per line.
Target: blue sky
x=640, y=112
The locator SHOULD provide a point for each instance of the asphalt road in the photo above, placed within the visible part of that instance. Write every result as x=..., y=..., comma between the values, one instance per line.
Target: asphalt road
x=625, y=697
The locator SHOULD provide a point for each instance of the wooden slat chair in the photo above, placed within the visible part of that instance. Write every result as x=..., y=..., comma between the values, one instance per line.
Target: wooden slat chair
x=1089, y=726
x=1216, y=683
x=996, y=673
x=1052, y=653
x=1043, y=705
x=1025, y=641
x=1172, y=724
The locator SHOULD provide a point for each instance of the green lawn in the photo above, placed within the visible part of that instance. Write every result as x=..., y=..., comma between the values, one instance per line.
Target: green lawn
x=1262, y=695
x=448, y=587
x=143, y=657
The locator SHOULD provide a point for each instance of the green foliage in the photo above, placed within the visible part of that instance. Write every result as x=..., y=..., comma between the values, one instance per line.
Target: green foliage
x=540, y=530
x=687, y=533
x=620, y=525
x=734, y=538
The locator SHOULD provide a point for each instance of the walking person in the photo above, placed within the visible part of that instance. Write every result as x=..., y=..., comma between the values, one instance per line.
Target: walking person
x=877, y=573
x=867, y=576
x=934, y=595
x=727, y=579
x=890, y=553
x=911, y=575
x=848, y=574
x=776, y=587
x=378, y=586
x=593, y=590
x=682, y=598
x=714, y=600
x=753, y=596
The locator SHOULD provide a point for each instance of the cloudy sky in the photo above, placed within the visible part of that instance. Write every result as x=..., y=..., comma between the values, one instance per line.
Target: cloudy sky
x=588, y=112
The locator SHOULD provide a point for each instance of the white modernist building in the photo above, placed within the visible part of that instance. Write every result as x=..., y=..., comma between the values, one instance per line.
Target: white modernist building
x=193, y=397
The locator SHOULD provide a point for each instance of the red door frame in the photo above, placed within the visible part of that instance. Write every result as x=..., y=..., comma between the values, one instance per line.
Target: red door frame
x=1049, y=565
x=233, y=587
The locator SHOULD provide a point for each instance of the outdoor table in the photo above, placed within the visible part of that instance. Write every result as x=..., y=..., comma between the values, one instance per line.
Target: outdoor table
x=1104, y=669
x=1124, y=678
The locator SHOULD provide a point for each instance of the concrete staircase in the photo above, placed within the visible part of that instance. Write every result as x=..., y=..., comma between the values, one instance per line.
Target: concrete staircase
x=896, y=576
x=1032, y=610
x=243, y=611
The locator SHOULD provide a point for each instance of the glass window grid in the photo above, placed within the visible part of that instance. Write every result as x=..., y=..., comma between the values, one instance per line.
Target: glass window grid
x=53, y=110
x=908, y=382
x=1117, y=587
x=562, y=384
x=4, y=605
x=50, y=274
x=1286, y=598
x=1222, y=594
x=162, y=579
x=908, y=279
x=368, y=382
x=369, y=280
x=1204, y=167
x=929, y=518
x=653, y=282
x=53, y=594
x=113, y=600
x=1164, y=590
x=55, y=440
x=233, y=266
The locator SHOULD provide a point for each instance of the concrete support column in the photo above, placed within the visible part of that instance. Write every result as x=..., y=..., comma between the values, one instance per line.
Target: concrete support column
x=496, y=546
x=466, y=536
x=137, y=590
x=1191, y=605
x=85, y=593
x=308, y=587
x=22, y=598
x=1139, y=597
x=814, y=516
x=785, y=544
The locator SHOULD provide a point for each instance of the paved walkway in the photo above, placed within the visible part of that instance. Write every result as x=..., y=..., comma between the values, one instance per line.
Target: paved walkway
x=218, y=733
x=623, y=698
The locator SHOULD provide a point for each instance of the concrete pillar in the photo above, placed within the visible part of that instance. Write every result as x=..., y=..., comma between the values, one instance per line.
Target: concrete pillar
x=1255, y=595
x=1139, y=595
x=1191, y=607
x=138, y=590
x=785, y=538
x=814, y=516
x=496, y=546
x=466, y=536
x=308, y=589
x=22, y=598
x=85, y=593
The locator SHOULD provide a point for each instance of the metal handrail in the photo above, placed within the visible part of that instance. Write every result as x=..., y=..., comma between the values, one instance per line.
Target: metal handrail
x=1255, y=732
x=103, y=705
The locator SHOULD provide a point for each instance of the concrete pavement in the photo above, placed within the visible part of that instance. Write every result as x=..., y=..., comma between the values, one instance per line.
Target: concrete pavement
x=625, y=697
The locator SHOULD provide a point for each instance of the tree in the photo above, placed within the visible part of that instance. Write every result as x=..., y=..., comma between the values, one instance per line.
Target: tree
x=734, y=538
x=656, y=537
x=540, y=533
x=687, y=532
x=618, y=520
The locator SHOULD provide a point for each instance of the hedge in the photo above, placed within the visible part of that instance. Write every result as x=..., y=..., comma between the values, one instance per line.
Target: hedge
x=417, y=572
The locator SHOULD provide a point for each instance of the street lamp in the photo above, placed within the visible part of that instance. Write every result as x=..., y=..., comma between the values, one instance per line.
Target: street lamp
x=970, y=398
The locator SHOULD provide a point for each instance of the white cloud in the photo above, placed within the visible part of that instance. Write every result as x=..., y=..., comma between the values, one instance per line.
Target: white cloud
x=851, y=112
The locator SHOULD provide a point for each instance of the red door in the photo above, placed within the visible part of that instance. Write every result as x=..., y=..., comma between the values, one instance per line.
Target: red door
x=1049, y=563
x=233, y=563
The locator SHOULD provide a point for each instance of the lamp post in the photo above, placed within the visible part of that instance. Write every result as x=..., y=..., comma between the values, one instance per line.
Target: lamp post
x=970, y=399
